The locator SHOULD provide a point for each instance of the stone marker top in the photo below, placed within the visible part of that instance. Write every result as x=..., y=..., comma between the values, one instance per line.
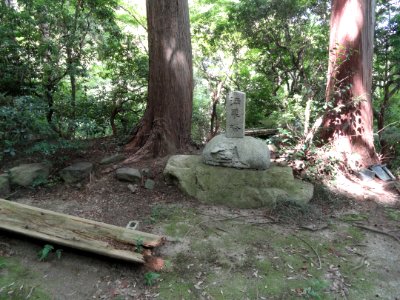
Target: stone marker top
x=235, y=114
x=233, y=149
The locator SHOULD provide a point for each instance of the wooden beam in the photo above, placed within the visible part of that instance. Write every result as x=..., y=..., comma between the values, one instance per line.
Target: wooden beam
x=260, y=132
x=75, y=232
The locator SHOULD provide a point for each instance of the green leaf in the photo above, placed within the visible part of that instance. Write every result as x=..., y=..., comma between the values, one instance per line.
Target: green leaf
x=44, y=253
x=59, y=253
x=150, y=278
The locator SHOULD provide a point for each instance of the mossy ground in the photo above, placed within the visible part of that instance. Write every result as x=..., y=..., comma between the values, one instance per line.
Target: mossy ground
x=221, y=253
x=17, y=282
x=234, y=258
x=214, y=252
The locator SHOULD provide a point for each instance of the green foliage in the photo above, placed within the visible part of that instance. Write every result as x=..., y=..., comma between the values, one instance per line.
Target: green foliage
x=52, y=56
x=161, y=212
x=269, y=49
x=316, y=290
x=354, y=217
x=45, y=252
x=17, y=282
x=393, y=214
x=139, y=245
x=39, y=181
x=49, y=148
x=21, y=121
x=58, y=253
x=200, y=116
x=150, y=278
x=79, y=70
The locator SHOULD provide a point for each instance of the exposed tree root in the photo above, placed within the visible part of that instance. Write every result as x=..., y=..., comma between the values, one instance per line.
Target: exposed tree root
x=313, y=249
x=377, y=231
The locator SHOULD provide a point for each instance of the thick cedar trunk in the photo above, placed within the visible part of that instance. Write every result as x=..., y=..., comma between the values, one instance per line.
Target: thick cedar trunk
x=166, y=124
x=349, y=125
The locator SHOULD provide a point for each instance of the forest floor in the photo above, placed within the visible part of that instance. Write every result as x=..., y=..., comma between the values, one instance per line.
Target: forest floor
x=340, y=246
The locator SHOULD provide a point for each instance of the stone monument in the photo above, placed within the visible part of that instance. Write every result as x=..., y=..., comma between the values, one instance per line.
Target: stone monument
x=235, y=115
x=235, y=170
x=233, y=149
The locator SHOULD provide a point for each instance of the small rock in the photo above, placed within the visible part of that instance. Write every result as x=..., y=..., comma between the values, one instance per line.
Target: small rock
x=4, y=185
x=76, y=172
x=133, y=187
x=129, y=174
x=27, y=174
x=149, y=184
x=112, y=159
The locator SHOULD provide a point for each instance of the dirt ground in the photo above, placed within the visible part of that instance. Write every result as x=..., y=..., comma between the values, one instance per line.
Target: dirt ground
x=340, y=246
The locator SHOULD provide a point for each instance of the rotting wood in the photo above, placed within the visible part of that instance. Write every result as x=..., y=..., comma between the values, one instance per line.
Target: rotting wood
x=75, y=232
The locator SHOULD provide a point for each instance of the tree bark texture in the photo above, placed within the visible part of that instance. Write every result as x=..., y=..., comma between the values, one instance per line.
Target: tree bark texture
x=166, y=124
x=349, y=121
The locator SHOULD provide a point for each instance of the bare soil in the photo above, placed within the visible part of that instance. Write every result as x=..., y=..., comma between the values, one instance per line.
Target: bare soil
x=288, y=252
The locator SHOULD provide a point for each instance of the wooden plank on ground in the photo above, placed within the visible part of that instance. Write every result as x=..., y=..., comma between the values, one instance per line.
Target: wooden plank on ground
x=260, y=132
x=75, y=232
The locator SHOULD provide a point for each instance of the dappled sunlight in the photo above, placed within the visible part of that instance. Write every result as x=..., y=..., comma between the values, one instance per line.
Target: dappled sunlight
x=174, y=56
x=375, y=190
x=179, y=59
x=169, y=46
x=352, y=20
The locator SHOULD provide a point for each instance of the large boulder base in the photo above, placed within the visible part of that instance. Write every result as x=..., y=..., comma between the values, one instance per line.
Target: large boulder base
x=4, y=185
x=76, y=172
x=242, y=153
x=233, y=187
x=27, y=174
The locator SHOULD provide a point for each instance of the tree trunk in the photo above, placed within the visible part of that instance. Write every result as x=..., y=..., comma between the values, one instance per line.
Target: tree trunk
x=50, y=112
x=72, y=78
x=349, y=124
x=166, y=124
x=215, y=100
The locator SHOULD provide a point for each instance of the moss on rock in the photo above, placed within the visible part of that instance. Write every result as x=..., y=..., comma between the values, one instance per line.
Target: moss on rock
x=27, y=174
x=233, y=187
